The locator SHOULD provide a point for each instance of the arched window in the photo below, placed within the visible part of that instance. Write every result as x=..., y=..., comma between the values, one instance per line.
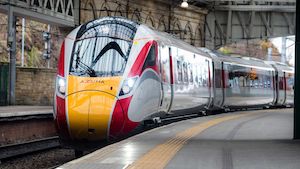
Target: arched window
x=93, y=10
x=199, y=39
x=150, y=21
x=118, y=11
x=177, y=29
x=89, y=10
x=161, y=24
x=104, y=10
x=188, y=34
x=136, y=16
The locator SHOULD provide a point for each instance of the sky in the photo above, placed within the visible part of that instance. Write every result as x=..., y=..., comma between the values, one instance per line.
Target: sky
x=290, y=45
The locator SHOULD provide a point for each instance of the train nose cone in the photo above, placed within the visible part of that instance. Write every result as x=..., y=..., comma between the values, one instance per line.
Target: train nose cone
x=89, y=113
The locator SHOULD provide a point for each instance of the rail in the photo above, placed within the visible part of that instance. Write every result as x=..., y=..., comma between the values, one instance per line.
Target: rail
x=13, y=150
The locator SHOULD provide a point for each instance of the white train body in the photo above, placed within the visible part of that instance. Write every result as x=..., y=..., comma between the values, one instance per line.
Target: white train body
x=115, y=74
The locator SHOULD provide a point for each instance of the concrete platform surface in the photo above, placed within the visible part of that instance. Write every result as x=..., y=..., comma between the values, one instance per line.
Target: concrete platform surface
x=259, y=139
x=14, y=111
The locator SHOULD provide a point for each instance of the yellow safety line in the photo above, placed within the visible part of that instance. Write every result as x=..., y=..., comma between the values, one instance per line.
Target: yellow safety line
x=159, y=156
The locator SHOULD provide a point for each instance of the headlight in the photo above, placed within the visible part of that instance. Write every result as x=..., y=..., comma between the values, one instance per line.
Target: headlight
x=60, y=85
x=128, y=85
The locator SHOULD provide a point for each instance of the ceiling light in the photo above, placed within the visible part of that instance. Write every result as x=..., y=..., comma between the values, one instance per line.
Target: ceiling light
x=184, y=4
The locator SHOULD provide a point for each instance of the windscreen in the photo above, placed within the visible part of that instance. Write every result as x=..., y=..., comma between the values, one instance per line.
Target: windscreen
x=102, y=48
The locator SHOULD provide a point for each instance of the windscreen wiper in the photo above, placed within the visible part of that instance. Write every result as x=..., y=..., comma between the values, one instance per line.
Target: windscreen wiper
x=109, y=46
x=87, y=69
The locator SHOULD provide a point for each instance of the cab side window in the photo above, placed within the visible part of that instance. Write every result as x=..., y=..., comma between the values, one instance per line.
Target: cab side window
x=151, y=59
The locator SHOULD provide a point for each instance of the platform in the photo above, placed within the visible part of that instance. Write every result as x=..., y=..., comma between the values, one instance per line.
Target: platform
x=260, y=139
x=14, y=111
x=22, y=124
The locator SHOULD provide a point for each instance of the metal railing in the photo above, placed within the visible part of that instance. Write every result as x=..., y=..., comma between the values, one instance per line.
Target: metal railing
x=59, y=12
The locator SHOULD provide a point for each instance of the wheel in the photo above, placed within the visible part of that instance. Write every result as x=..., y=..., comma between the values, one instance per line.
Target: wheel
x=202, y=113
x=78, y=153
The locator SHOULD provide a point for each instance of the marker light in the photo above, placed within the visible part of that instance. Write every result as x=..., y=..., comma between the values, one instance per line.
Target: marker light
x=184, y=4
x=61, y=85
x=128, y=85
x=130, y=82
x=126, y=89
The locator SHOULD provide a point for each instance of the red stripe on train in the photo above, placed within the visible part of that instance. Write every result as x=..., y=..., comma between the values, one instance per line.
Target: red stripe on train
x=61, y=120
x=171, y=67
x=61, y=61
x=137, y=68
x=120, y=124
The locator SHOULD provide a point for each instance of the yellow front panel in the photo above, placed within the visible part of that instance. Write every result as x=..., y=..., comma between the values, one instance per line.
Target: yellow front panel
x=90, y=104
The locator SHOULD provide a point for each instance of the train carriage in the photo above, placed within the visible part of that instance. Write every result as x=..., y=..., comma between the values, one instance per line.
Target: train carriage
x=191, y=75
x=115, y=74
x=284, y=84
x=248, y=83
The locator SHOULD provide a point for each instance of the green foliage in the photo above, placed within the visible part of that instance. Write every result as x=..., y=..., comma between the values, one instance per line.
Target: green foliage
x=3, y=57
x=3, y=52
x=34, y=57
x=225, y=50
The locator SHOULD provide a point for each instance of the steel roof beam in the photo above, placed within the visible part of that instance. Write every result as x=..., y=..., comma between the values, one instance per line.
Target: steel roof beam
x=297, y=77
x=257, y=8
x=249, y=1
x=40, y=12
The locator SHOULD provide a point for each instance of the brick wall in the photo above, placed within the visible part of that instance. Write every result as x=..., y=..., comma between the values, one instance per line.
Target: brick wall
x=35, y=86
x=187, y=24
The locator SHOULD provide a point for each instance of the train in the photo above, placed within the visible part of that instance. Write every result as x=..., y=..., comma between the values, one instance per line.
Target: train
x=115, y=75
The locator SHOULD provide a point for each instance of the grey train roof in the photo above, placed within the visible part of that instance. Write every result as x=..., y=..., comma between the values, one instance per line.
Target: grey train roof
x=173, y=41
x=247, y=61
x=281, y=66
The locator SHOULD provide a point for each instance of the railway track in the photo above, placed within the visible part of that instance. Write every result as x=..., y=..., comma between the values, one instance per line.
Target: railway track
x=13, y=150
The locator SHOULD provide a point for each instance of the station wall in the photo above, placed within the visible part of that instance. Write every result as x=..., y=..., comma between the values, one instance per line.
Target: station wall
x=187, y=24
x=35, y=86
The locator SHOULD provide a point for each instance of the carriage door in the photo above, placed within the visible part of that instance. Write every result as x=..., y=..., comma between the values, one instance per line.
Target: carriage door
x=285, y=86
x=210, y=84
x=166, y=78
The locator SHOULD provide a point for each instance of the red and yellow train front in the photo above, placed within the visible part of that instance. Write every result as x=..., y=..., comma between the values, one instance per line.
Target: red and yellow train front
x=91, y=80
x=90, y=103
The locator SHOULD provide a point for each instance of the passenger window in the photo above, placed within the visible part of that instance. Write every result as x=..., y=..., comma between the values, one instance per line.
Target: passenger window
x=200, y=78
x=165, y=64
x=281, y=81
x=185, y=72
x=290, y=81
x=191, y=74
x=241, y=81
x=179, y=70
x=195, y=70
x=150, y=60
x=205, y=75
